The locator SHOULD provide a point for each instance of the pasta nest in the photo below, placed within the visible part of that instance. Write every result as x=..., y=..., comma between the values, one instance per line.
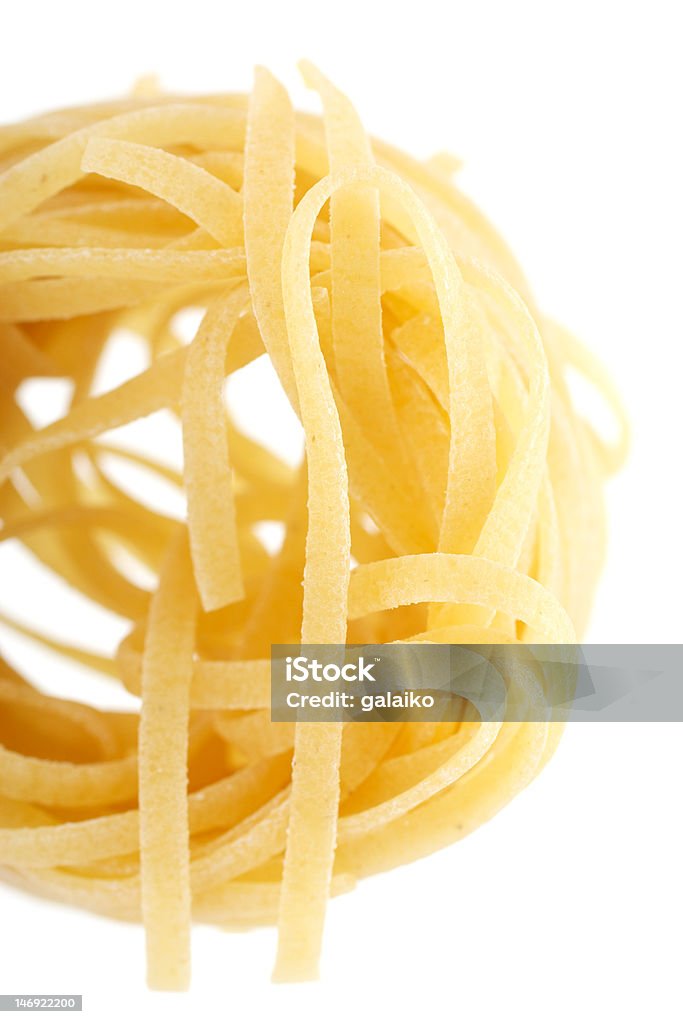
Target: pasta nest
x=449, y=492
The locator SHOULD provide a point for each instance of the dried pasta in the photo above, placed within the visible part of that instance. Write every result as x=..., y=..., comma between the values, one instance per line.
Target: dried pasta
x=449, y=493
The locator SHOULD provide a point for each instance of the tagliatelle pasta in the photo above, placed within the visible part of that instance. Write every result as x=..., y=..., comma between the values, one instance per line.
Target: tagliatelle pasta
x=449, y=493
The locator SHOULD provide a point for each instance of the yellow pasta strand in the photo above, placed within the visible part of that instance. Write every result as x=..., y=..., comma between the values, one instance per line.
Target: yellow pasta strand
x=307, y=870
x=164, y=831
x=208, y=476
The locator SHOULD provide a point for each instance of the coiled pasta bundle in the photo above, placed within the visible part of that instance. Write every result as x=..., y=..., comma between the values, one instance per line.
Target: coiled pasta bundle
x=449, y=493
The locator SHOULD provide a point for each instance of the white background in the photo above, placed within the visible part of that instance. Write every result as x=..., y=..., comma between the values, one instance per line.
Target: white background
x=568, y=119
